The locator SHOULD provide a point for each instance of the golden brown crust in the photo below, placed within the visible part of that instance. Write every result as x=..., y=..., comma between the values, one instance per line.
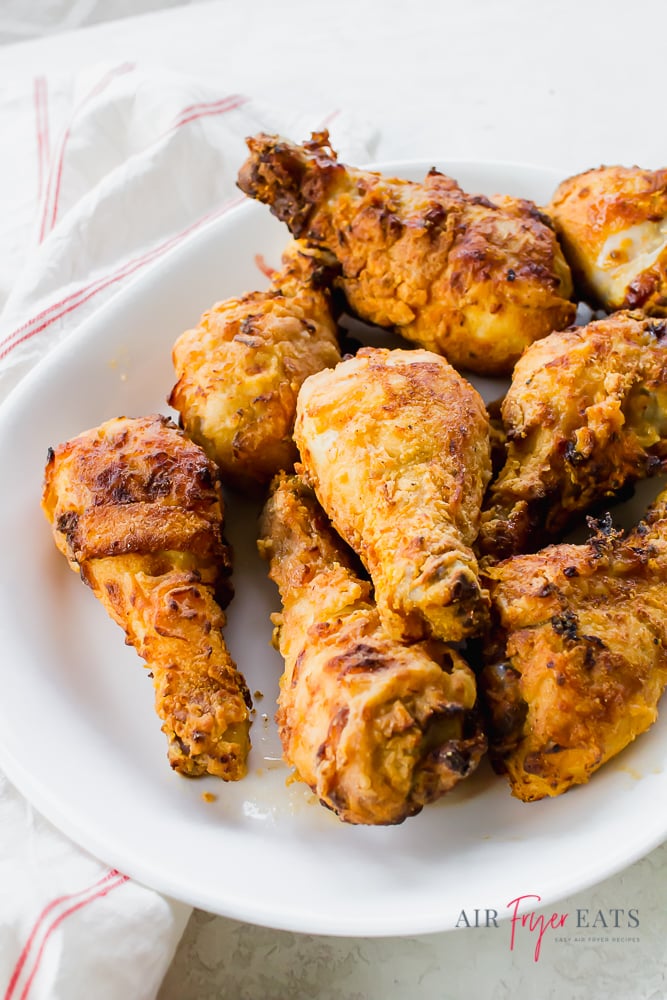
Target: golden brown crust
x=396, y=445
x=377, y=729
x=474, y=279
x=239, y=371
x=136, y=508
x=585, y=415
x=612, y=223
x=577, y=660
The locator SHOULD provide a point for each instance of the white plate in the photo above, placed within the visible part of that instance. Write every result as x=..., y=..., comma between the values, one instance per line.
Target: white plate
x=77, y=730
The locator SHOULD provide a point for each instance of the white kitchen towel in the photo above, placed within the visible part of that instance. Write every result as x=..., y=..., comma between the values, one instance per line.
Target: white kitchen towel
x=103, y=174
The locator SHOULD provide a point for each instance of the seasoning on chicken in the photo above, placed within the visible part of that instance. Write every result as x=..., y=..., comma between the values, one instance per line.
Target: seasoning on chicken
x=612, y=223
x=585, y=415
x=578, y=657
x=240, y=370
x=472, y=278
x=377, y=729
x=396, y=445
x=136, y=509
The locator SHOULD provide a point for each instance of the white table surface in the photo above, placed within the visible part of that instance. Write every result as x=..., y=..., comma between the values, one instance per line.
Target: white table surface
x=570, y=84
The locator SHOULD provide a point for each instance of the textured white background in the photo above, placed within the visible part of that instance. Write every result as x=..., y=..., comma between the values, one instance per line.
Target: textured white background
x=571, y=84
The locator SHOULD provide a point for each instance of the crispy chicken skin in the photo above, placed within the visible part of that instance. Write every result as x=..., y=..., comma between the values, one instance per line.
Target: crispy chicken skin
x=586, y=414
x=612, y=223
x=396, y=445
x=474, y=279
x=240, y=370
x=377, y=729
x=578, y=655
x=136, y=509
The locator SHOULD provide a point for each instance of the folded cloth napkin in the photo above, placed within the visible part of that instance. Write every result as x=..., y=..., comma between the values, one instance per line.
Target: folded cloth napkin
x=109, y=170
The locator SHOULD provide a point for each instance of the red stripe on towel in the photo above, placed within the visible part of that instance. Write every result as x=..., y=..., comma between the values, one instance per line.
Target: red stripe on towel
x=208, y=108
x=42, y=131
x=23, y=957
x=59, y=309
x=55, y=177
x=121, y=879
x=329, y=118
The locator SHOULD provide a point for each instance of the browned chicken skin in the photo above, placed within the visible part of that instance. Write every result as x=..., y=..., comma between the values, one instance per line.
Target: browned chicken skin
x=376, y=729
x=586, y=414
x=474, y=279
x=578, y=656
x=240, y=370
x=396, y=445
x=136, y=509
x=612, y=223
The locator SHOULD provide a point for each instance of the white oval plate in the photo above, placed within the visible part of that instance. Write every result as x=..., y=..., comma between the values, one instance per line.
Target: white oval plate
x=78, y=734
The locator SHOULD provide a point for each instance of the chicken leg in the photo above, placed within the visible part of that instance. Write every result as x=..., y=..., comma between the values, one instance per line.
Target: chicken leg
x=376, y=728
x=472, y=278
x=396, y=445
x=239, y=371
x=136, y=509
x=578, y=657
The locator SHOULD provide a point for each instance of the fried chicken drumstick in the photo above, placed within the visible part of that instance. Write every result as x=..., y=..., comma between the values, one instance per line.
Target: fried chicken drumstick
x=375, y=728
x=585, y=415
x=136, y=509
x=396, y=446
x=240, y=370
x=613, y=226
x=474, y=279
x=578, y=658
